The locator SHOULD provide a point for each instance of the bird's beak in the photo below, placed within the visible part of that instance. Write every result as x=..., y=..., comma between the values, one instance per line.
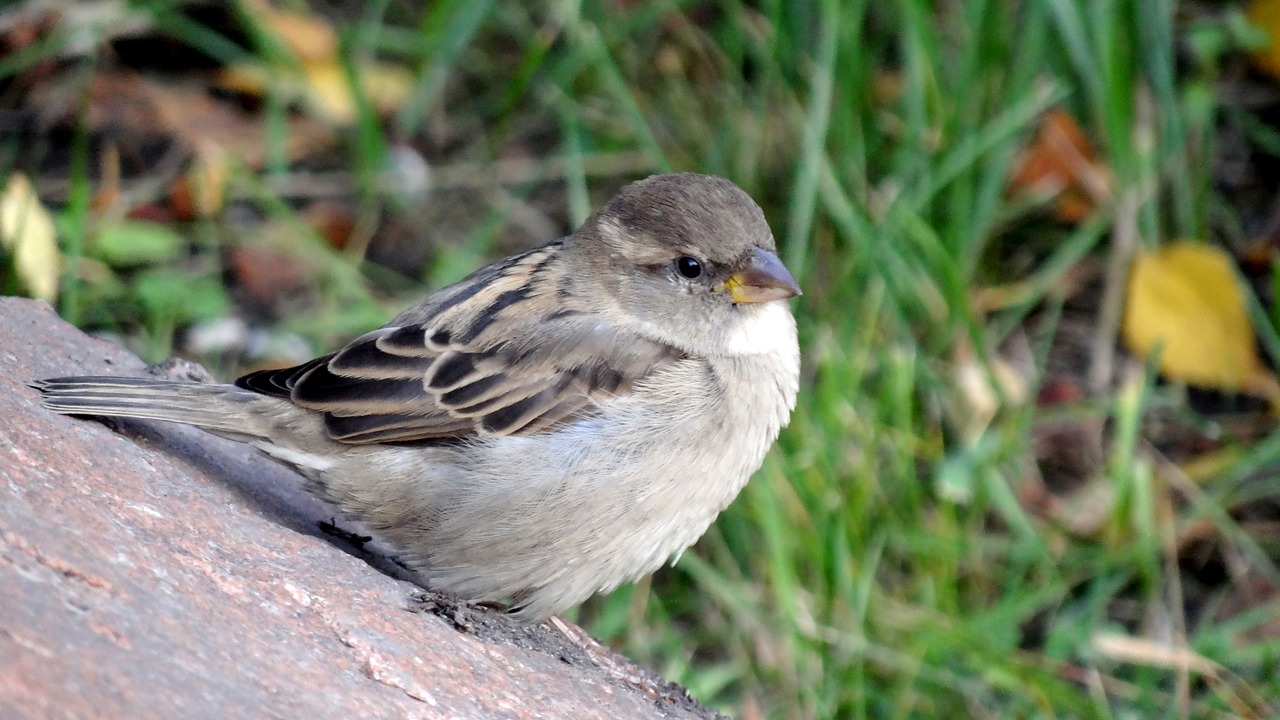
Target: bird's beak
x=764, y=278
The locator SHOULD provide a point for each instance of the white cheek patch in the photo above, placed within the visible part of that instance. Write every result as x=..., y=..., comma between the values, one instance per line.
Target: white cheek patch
x=770, y=329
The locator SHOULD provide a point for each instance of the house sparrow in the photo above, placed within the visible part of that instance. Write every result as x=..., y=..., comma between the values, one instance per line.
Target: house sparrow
x=551, y=426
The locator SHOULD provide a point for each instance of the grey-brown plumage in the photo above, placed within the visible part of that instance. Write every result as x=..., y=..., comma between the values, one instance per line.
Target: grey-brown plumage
x=553, y=425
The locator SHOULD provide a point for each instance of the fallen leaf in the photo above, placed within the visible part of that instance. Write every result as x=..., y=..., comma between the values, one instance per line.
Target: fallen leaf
x=154, y=212
x=328, y=92
x=201, y=191
x=322, y=84
x=385, y=86
x=140, y=110
x=310, y=38
x=1184, y=299
x=1266, y=15
x=334, y=221
x=1059, y=391
x=117, y=103
x=265, y=275
x=208, y=126
x=1060, y=163
x=27, y=236
x=107, y=193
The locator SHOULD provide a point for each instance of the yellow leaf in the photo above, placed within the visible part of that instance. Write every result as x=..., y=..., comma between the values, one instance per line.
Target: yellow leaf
x=329, y=92
x=207, y=180
x=242, y=78
x=1185, y=299
x=323, y=83
x=309, y=38
x=328, y=89
x=324, y=86
x=386, y=86
x=27, y=235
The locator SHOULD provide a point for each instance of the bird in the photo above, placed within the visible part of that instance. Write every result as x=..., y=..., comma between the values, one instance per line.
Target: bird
x=555, y=424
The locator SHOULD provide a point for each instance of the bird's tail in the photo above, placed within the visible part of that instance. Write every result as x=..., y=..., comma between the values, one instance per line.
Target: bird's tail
x=223, y=409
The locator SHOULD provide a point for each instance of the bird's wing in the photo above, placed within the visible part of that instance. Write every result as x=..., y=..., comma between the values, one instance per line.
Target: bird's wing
x=492, y=354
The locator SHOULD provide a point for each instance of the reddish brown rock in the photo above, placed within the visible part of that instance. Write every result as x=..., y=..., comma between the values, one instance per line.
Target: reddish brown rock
x=157, y=571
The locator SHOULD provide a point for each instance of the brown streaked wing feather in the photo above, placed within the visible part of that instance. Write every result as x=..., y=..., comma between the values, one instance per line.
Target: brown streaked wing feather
x=470, y=361
x=279, y=382
x=367, y=429
x=508, y=389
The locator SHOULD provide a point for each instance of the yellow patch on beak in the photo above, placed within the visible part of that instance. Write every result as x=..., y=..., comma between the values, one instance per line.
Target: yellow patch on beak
x=763, y=279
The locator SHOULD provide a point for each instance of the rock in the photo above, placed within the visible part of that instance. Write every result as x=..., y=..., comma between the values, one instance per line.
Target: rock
x=153, y=570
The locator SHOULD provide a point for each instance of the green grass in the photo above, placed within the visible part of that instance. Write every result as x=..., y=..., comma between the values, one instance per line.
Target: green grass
x=880, y=565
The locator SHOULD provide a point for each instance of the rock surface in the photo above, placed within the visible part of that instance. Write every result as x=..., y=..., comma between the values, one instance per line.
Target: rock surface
x=152, y=570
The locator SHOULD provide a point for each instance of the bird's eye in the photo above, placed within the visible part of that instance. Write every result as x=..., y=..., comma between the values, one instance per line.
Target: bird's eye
x=688, y=267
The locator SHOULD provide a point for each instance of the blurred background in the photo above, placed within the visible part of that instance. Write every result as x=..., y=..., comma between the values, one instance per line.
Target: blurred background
x=1034, y=467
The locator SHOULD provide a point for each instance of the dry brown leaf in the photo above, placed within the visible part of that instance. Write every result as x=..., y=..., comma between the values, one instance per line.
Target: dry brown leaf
x=323, y=83
x=133, y=107
x=118, y=103
x=208, y=126
x=107, y=194
x=324, y=86
x=201, y=191
x=1266, y=15
x=1185, y=299
x=27, y=235
x=1061, y=163
x=334, y=221
x=266, y=275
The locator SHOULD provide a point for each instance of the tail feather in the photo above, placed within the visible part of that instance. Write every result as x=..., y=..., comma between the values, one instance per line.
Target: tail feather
x=223, y=409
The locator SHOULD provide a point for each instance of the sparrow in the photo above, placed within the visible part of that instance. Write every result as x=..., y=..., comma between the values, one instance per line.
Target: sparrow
x=553, y=425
